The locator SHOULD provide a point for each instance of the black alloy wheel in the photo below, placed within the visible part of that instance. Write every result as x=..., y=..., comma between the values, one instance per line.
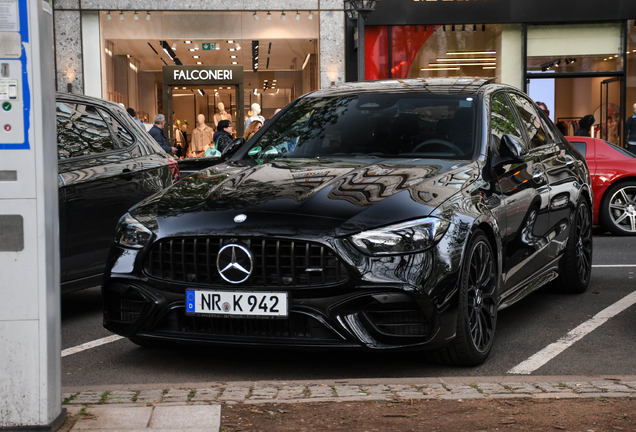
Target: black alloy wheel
x=477, y=309
x=618, y=209
x=576, y=264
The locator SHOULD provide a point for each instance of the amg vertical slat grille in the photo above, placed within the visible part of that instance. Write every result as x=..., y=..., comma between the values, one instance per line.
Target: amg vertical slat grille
x=276, y=262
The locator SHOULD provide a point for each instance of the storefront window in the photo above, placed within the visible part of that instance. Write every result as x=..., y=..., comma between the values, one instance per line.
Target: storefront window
x=279, y=59
x=574, y=48
x=441, y=51
x=630, y=125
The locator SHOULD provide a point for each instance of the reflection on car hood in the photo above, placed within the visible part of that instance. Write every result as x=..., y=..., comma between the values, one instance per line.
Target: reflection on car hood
x=280, y=197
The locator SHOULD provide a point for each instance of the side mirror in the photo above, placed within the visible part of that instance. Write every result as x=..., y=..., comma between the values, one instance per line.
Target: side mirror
x=233, y=147
x=510, y=151
x=510, y=147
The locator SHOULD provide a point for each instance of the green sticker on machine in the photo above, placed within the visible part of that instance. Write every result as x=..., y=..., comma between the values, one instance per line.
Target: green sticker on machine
x=254, y=151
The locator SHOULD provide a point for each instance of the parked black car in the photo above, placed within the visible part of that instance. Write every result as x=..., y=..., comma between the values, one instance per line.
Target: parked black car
x=389, y=214
x=106, y=164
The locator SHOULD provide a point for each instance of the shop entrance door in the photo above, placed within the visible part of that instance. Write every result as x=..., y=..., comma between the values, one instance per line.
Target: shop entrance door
x=610, y=115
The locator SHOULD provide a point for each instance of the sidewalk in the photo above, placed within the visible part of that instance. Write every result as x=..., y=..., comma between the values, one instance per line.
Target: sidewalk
x=197, y=407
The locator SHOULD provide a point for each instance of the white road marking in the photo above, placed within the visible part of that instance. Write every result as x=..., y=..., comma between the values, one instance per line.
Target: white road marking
x=89, y=345
x=548, y=353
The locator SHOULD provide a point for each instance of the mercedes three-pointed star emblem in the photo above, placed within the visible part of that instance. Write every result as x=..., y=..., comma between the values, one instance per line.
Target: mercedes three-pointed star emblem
x=234, y=263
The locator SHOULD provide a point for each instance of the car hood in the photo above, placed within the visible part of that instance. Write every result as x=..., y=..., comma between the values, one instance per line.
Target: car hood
x=295, y=196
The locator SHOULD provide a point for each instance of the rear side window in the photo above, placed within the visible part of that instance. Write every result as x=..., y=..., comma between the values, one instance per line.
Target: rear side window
x=123, y=136
x=81, y=131
x=502, y=121
x=580, y=146
x=621, y=150
x=530, y=121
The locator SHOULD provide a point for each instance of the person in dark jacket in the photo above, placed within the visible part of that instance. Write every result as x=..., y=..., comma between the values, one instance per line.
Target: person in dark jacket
x=156, y=131
x=223, y=135
x=585, y=124
x=630, y=132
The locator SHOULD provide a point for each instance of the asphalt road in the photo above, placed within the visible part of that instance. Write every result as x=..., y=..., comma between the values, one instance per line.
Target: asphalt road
x=523, y=329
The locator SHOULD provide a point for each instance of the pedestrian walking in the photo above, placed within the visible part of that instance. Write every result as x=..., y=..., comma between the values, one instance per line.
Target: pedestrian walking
x=157, y=133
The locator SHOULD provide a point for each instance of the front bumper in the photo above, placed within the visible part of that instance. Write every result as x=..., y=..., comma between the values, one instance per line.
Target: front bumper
x=378, y=303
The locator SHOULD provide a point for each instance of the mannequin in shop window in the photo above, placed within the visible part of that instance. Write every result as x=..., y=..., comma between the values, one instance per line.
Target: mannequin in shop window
x=630, y=131
x=221, y=115
x=201, y=138
x=256, y=115
x=179, y=141
x=585, y=124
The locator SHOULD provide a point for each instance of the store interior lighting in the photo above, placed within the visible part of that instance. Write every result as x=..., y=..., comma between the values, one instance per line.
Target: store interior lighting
x=282, y=15
x=136, y=16
x=108, y=16
x=238, y=46
x=310, y=16
x=174, y=46
x=269, y=16
x=196, y=45
x=297, y=16
x=147, y=16
x=121, y=16
x=255, y=16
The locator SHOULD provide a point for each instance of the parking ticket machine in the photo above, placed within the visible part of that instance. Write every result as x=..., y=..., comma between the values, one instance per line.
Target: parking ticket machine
x=30, y=384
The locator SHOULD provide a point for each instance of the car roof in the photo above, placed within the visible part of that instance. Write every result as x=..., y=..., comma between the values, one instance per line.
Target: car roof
x=460, y=85
x=88, y=99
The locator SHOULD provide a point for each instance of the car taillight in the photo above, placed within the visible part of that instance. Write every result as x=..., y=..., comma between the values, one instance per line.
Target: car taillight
x=174, y=169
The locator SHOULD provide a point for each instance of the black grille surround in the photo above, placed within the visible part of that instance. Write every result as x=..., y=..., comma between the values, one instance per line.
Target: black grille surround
x=277, y=262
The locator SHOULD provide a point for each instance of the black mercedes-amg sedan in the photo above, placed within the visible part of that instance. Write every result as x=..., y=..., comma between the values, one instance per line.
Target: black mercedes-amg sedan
x=380, y=215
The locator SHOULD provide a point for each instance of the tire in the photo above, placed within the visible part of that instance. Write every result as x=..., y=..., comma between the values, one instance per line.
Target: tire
x=477, y=307
x=576, y=263
x=618, y=209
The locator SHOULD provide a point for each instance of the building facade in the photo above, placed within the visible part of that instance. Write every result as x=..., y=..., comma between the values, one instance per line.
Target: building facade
x=578, y=57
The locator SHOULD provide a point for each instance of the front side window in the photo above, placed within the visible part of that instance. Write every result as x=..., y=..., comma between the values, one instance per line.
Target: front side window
x=81, y=131
x=502, y=120
x=372, y=125
x=530, y=121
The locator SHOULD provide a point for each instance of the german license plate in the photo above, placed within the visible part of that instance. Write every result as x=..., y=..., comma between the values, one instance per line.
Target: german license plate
x=264, y=304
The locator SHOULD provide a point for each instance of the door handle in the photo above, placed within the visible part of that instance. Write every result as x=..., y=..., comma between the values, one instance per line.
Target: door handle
x=538, y=177
x=127, y=174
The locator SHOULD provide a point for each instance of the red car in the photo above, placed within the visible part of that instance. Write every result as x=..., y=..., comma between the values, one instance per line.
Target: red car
x=613, y=172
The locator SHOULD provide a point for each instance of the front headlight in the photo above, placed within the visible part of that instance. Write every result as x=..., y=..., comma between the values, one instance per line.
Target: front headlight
x=131, y=233
x=407, y=237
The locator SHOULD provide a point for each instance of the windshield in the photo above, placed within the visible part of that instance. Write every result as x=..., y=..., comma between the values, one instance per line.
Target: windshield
x=388, y=125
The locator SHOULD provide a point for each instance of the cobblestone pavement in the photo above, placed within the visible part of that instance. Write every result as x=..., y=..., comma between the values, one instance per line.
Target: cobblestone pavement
x=268, y=392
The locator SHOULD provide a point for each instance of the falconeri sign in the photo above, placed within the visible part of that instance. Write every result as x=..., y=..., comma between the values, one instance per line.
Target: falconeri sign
x=202, y=75
x=205, y=74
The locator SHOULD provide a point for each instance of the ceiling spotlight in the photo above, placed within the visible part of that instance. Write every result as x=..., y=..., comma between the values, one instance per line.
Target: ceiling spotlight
x=474, y=27
x=147, y=16
x=229, y=88
x=232, y=56
x=453, y=28
x=231, y=49
x=195, y=57
x=444, y=27
x=269, y=16
x=199, y=63
x=297, y=16
x=310, y=16
x=230, y=41
x=234, y=62
x=255, y=16
x=238, y=47
x=174, y=46
x=188, y=42
x=483, y=27
x=201, y=92
x=196, y=45
x=191, y=49
x=136, y=16
x=108, y=16
x=256, y=92
x=121, y=16
x=282, y=16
